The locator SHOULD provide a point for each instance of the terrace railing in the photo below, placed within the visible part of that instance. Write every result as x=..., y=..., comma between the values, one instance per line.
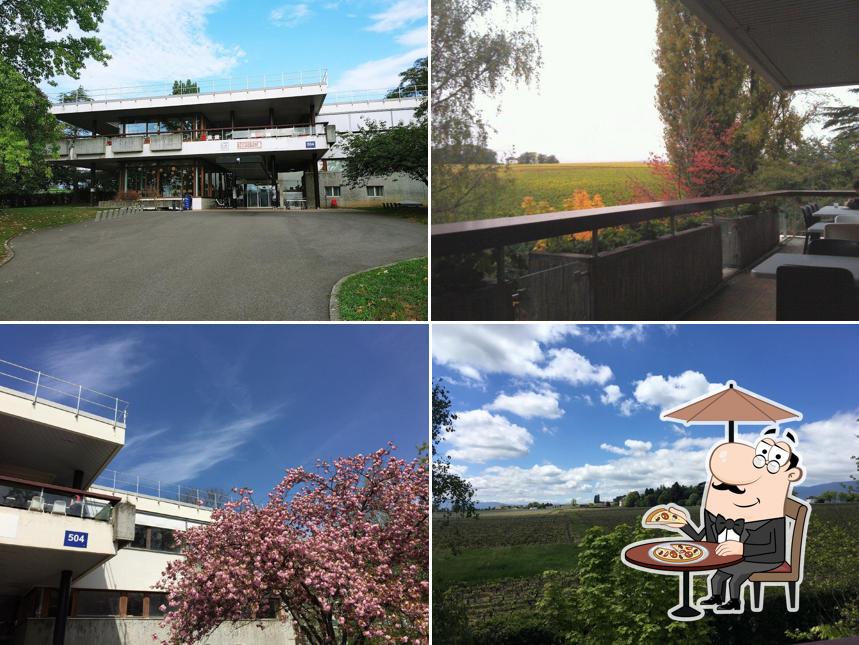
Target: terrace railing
x=57, y=500
x=499, y=299
x=277, y=80
x=216, y=134
x=209, y=498
x=65, y=395
x=362, y=96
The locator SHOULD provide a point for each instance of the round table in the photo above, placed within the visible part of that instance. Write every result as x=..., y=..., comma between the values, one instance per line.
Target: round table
x=638, y=556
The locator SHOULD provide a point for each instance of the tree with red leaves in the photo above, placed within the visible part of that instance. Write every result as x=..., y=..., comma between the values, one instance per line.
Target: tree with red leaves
x=342, y=552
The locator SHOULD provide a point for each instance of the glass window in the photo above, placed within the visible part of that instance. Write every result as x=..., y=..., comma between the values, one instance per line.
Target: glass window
x=162, y=540
x=139, y=537
x=375, y=191
x=97, y=603
x=156, y=600
x=332, y=191
x=135, y=128
x=134, y=606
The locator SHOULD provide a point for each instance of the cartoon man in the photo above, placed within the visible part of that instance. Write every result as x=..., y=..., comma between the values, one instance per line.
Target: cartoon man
x=743, y=511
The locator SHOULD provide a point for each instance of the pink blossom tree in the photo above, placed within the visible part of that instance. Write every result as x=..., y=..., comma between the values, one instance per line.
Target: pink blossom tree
x=342, y=552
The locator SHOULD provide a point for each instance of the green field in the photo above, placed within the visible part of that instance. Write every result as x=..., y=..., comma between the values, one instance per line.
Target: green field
x=556, y=182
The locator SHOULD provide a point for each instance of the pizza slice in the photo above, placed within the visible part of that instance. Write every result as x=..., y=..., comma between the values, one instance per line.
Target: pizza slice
x=664, y=516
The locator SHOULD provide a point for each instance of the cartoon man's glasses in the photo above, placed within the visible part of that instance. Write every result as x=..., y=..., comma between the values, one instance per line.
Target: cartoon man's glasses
x=771, y=456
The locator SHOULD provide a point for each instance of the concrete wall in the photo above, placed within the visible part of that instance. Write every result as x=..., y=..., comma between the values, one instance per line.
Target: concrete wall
x=745, y=239
x=397, y=188
x=139, y=631
x=129, y=570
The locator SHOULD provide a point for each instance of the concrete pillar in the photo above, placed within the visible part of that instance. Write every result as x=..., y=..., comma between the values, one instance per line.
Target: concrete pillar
x=63, y=603
x=271, y=116
x=92, y=184
x=316, y=181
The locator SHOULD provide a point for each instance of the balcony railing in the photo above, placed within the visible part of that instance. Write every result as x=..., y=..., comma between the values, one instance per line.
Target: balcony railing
x=55, y=500
x=362, y=96
x=65, y=395
x=483, y=299
x=208, y=498
x=277, y=80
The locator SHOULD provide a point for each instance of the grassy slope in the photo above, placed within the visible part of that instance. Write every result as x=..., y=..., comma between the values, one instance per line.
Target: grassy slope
x=396, y=292
x=417, y=215
x=14, y=221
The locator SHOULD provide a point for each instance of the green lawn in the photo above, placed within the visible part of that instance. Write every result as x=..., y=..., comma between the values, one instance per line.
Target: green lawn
x=418, y=215
x=394, y=292
x=14, y=221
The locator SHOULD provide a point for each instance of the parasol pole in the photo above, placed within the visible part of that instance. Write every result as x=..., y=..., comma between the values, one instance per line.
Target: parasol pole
x=730, y=432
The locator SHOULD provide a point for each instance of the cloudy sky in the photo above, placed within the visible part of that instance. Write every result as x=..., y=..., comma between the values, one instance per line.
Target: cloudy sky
x=223, y=405
x=595, y=100
x=363, y=44
x=552, y=413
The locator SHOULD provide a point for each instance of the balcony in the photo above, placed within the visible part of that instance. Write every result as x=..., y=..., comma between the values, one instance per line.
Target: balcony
x=698, y=270
x=56, y=431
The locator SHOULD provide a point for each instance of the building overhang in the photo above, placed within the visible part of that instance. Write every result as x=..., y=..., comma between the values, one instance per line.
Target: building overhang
x=251, y=107
x=795, y=44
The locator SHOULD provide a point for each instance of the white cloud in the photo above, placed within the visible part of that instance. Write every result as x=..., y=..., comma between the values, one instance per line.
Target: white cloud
x=103, y=364
x=398, y=15
x=543, y=404
x=668, y=392
x=611, y=394
x=570, y=366
x=378, y=74
x=824, y=450
x=481, y=436
x=290, y=15
x=185, y=457
x=414, y=38
x=627, y=407
x=167, y=41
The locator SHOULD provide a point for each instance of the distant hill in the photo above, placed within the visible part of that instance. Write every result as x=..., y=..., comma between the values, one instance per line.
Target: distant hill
x=812, y=491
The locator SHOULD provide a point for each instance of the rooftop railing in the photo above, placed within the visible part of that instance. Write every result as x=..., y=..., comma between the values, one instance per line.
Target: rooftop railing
x=56, y=500
x=525, y=285
x=65, y=395
x=208, y=498
x=362, y=96
x=277, y=80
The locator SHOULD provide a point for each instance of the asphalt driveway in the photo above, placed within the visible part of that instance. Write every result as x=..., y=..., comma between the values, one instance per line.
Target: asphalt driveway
x=211, y=265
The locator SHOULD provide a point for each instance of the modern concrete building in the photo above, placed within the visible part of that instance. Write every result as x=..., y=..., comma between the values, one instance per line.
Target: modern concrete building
x=225, y=135
x=82, y=548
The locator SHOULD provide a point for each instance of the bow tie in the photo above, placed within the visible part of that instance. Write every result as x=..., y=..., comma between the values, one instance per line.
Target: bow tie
x=732, y=525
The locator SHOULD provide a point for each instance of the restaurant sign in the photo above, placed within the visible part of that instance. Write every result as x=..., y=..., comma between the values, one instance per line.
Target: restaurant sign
x=77, y=539
x=248, y=145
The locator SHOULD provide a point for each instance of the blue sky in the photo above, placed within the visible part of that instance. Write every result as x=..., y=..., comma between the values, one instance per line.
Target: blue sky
x=552, y=413
x=363, y=44
x=224, y=406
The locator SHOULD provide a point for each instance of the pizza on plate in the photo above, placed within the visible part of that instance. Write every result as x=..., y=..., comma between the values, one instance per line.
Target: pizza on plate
x=664, y=516
x=677, y=552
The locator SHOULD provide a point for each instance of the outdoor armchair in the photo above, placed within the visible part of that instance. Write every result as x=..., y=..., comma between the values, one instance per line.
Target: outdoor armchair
x=840, y=231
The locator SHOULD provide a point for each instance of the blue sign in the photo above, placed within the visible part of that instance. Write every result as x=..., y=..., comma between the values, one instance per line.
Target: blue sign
x=77, y=539
x=309, y=144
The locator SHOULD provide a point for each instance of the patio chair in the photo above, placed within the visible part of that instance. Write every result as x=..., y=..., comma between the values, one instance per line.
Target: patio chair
x=37, y=503
x=787, y=573
x=815, y=293
x=809, y=221
x=59, y=507
x=840, y=231
x=847, y=248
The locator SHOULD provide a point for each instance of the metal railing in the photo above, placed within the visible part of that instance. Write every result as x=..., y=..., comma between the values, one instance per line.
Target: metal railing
x=65, y=395
x=362, y=96
x=208, y=498
x=218, y=134
x=277, y=80
x=56, y=500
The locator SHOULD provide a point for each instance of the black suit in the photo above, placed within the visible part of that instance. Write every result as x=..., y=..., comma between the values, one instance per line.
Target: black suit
x=763, y=550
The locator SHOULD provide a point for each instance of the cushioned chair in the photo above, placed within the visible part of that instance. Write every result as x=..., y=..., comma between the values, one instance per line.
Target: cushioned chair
x=847, y=219
x=787, y=573
x=840, y=231
x=815, y=293
x=809, y=221
x=847, y=248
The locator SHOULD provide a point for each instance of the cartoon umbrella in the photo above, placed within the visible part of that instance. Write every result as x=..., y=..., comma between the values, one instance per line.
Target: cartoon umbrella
x=734, y=405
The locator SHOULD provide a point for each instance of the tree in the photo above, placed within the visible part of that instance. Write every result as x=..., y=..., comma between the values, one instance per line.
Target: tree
x=721, y=118
x=377, y=151
x=414, y=82
x=28, y=132
x=475, y=52
x=36, y=40
x=342, y=550
x=449, y=490
x=596, y=499
x=185, y=87
x=632, y=498
x=844, y=119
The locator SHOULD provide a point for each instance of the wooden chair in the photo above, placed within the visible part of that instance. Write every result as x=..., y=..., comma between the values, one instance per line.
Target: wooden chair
x=787, y=573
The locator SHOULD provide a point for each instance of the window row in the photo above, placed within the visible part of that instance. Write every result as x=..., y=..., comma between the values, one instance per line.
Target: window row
x=372, y=191
x=92, y=603
x=153, y=538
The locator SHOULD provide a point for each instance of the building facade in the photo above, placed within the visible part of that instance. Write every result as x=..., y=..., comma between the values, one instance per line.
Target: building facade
x=82, y=548
x=254, y=143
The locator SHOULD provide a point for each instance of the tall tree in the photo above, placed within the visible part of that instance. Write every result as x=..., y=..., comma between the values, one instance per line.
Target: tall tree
x=844, y=120
x=478, y=48
x=185, y=87
x=343, y=551
x=449, y=490
x=31, y=40
x=721, y=118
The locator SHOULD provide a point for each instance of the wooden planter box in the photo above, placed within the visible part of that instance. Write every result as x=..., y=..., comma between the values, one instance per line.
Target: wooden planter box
x=653, y=280
x=746, y=239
